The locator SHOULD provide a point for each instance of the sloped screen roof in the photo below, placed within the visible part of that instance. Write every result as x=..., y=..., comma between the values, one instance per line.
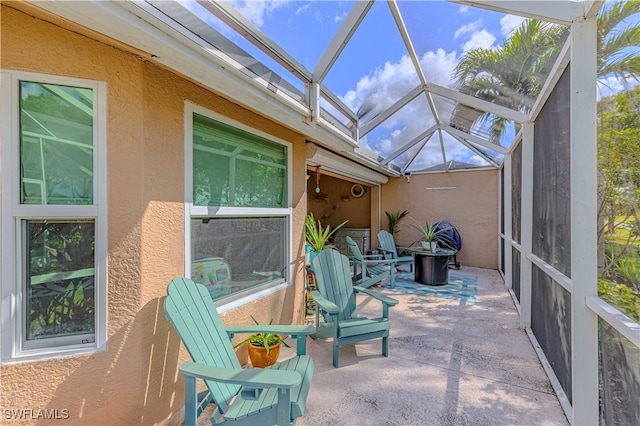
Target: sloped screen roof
x=399, y=78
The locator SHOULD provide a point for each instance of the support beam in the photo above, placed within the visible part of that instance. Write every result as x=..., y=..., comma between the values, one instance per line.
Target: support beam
x=560, y=12
x=526, y=224
x=508, y=222
x=342, y=37
x=471, y=138
x=230, y=16
x=584, y=227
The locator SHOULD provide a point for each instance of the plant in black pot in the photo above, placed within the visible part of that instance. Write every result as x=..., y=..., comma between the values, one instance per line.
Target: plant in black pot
x=432, y=235
x=263, y=348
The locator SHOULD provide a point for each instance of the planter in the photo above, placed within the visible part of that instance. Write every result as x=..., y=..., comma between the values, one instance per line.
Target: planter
x=429, y=246
x=259, y=357
x=432, y=268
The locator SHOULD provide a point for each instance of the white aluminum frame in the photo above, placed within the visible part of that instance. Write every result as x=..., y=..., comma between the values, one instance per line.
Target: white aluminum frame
x=242, y=298
x=13, y=213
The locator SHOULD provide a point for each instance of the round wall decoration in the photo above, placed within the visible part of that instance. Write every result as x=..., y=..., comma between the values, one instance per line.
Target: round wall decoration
x=358, y=190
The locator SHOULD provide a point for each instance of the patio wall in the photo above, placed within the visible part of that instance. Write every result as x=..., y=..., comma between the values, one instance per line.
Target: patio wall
x=335, y=204
x=467, y=199
x=135, y=379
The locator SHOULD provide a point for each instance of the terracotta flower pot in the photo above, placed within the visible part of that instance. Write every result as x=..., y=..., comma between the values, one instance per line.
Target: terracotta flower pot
x=260, y=359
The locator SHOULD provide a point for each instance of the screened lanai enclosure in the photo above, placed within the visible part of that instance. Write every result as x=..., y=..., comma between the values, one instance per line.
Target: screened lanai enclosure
x=371, y=86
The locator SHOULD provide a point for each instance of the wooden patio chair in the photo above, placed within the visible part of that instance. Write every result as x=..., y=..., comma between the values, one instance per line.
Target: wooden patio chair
x=269, y=396
x=370, y=269
x=390, y=250
x=335, y=298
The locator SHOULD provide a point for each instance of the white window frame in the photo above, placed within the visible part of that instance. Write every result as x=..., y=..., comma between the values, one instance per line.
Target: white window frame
x=14, y=213
x=234, y=300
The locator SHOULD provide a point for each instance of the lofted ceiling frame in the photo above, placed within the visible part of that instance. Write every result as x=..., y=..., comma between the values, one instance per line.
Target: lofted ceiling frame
x=140, y=24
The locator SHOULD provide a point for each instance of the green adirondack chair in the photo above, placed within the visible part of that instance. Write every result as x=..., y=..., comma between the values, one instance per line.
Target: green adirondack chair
x=336, y=315
x=370, y=269
x=274, y=395
x=390, y=251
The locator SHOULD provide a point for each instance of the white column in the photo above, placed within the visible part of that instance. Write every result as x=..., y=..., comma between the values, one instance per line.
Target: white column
x=508, y=228
x=526, y=224
x=584, y=256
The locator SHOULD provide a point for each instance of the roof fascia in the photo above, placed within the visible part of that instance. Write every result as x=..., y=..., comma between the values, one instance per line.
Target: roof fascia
x=560, y=12
x=343, y=164
x=227, y=14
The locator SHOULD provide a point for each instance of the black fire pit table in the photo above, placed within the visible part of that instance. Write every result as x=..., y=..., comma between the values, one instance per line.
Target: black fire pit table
x=431, y=268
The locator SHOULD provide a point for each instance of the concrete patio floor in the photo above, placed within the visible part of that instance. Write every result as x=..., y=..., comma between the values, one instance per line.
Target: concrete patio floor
x=451, y=362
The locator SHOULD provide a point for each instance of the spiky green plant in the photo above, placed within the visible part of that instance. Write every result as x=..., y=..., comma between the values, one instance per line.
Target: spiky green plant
x=316, y=236
x=394, y=220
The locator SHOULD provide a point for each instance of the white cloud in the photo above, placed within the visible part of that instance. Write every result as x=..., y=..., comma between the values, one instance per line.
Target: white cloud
x=464, y=10
x=510, y=22
x=612, y=85
x=385, y=85
x=469, y=28
x=438, y=67
x=303, y=8
x=339, y=17
x=482, y=39
x=255, y=11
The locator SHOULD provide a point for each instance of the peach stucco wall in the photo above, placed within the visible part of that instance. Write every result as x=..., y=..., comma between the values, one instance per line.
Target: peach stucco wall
x=135, y=379
x=468, y=200
x=334, y=203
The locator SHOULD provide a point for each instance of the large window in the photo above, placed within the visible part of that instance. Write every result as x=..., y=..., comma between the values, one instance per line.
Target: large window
x=238, y=208
x=53, y=216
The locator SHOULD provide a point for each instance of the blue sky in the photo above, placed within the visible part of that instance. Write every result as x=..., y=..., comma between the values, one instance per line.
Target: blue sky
x=440, y=29
x=375, y=65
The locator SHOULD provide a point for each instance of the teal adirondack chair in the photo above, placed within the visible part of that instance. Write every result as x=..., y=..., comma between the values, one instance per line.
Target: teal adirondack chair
x=390, y=251
x=336, y=315
x=274, y=395
x=370, y=269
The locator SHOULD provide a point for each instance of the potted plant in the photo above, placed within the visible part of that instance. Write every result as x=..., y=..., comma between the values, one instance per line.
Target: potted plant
x=432, y=235
x=263, y=348
x=317, y=237
x=394, y=220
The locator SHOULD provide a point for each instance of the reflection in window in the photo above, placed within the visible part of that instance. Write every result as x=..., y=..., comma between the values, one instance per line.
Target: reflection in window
x=56, y=144
x=232, y=167
x=60, y=279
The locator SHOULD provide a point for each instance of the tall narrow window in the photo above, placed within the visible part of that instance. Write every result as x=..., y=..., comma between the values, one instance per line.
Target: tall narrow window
x=53, y=188
x=239, y=216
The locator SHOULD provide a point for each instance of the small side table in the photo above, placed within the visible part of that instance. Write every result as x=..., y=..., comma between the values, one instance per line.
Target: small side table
x=432, y=268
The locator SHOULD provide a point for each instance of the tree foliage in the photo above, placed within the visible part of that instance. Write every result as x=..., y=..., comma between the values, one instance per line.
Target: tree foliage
x=514, y=74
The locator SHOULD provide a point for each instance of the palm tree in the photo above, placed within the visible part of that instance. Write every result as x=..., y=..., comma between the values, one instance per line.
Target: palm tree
x=513, y=75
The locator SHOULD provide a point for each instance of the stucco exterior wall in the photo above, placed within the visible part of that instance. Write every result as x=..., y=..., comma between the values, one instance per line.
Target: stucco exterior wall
x=468, y=200
x=334, y=203
x=135, y=379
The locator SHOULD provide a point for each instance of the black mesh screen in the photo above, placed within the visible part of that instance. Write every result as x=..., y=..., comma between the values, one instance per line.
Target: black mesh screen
x=551, y=324
x=516, y=191
x=515, y=274
x=551, y=184
x=619, y=377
